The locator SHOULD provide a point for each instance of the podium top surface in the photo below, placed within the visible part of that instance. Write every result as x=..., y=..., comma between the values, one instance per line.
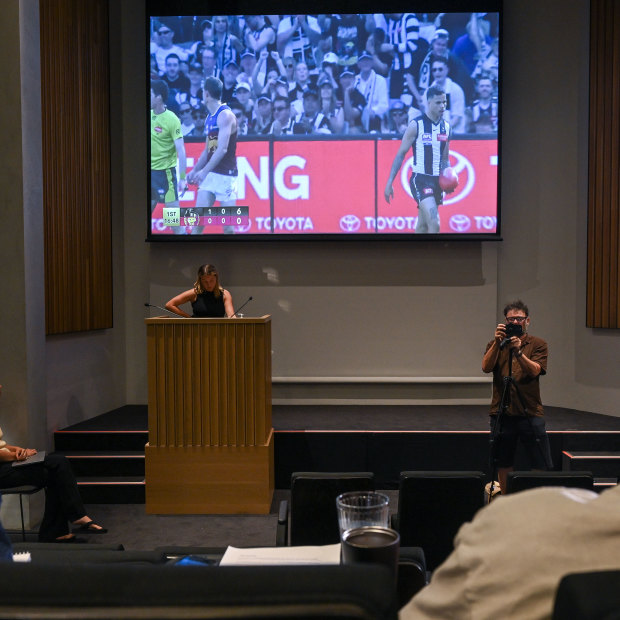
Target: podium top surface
x=157, y=320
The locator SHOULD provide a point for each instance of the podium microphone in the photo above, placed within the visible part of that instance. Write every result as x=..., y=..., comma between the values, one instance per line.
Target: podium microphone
x=148, y=305
x=242, y=307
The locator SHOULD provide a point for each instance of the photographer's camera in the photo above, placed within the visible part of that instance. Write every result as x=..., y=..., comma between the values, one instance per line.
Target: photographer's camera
x=514, y=329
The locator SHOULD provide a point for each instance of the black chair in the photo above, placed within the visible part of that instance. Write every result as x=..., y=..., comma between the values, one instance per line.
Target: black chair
x=26, y=489
x=361, y=592
x=312, y=518
x=412, y=575
x=432, y=506
x=411, y=566
x=588, y=596
x=524, y=480
x=58, y=554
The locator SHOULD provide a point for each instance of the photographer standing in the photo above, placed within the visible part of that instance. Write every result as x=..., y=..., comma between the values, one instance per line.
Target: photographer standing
x=522, y=415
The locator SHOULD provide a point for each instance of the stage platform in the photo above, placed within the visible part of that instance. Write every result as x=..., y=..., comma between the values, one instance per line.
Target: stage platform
x=383, y=439
x=413, y=418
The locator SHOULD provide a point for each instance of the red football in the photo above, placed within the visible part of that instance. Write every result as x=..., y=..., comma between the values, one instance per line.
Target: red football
x=448, y=179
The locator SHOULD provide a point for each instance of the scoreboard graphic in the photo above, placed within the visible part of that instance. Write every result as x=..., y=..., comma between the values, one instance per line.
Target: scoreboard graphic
x=211, y=216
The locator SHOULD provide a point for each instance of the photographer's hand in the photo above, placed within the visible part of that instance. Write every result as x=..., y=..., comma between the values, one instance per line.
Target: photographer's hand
x=500, y=333
x=515, y=343
x=490, y=357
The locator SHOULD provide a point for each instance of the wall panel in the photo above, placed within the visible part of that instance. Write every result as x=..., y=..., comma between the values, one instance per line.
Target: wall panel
x=603, y=284
x=76, y=164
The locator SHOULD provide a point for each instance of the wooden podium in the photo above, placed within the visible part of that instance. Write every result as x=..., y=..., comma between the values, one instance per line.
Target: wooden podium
x=210, y=447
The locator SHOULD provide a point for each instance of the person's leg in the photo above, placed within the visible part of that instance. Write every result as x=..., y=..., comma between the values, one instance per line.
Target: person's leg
x=62, y=499
x=428, y=208
x=534, y=437
x=55, y=524
x=164, y=188
x=61, y=478
x=157, y=191
x=504, y=450
x=502, y=477
x=63, y=502
x=171, y=196
x=416, y=185
x=421, y=226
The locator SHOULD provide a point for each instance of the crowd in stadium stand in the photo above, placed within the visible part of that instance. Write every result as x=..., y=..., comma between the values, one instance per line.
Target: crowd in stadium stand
x=342, y=74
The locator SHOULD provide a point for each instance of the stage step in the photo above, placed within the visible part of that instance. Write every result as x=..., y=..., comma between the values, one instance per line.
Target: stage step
x=108, y=490
x=107, y=464
x=602, y=484
x=104, y=440
x=591, y=441
x=602, y=464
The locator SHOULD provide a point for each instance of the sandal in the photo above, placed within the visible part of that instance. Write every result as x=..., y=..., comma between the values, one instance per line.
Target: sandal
x=87, y=528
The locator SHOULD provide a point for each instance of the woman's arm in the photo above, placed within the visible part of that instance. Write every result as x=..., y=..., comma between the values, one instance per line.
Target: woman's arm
x=15, y=453
x=179, y=300
x=228, y=304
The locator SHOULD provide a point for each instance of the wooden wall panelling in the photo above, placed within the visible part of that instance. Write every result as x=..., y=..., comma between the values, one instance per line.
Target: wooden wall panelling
x=76, y=164
x=603, y=268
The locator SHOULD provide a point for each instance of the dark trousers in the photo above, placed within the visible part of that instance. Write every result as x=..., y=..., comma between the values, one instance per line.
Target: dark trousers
x=533, y=435
x=62, y=498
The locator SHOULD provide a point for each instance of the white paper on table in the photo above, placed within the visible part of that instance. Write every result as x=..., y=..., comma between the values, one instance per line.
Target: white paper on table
x=272, y=556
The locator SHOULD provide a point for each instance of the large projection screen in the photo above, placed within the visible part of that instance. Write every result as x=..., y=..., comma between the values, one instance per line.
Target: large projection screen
x=319, y=116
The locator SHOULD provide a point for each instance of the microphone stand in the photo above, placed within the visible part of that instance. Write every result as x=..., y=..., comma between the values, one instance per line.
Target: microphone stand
x=497, y=427
x=148, y=305
x=242, y=307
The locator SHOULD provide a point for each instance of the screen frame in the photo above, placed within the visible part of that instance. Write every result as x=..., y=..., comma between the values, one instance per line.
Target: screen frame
x=198, y=7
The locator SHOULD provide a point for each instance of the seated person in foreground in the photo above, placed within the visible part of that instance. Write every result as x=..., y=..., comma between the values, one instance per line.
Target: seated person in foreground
x=208, y=298
x=63, y=503
x=507, y=563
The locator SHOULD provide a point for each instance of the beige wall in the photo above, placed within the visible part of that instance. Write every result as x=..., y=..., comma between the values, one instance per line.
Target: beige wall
x=22, y=335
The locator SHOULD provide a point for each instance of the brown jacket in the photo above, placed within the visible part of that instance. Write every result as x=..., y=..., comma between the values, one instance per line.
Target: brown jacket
x=535, y=349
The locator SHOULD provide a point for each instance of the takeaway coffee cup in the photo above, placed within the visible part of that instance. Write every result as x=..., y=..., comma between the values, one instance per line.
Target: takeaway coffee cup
x=362, y=509
x=378, y=545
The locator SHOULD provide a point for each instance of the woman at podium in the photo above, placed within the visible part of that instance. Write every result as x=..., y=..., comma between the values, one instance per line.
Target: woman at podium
x=208, y=298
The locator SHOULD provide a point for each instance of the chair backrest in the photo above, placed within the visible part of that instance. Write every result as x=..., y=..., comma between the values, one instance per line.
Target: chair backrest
x=361, y=592
x=523, y=480
x=588, y=596
x=313, y=513
x=432, y=506
x=411, y=574
x=24, y=489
